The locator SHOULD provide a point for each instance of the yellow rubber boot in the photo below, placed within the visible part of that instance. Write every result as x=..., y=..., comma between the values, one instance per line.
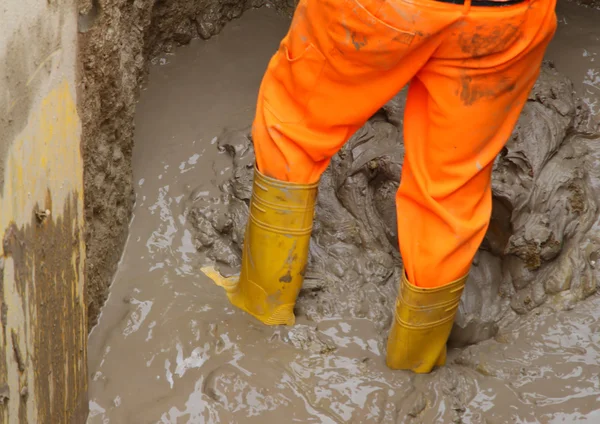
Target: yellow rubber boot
x=275, y=250
x=422, y=323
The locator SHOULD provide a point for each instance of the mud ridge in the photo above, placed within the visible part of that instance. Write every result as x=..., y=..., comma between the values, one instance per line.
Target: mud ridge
x=539, y=249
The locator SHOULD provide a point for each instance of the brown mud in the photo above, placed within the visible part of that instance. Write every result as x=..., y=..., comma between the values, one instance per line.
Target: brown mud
x=575, y=50
x=169, y=348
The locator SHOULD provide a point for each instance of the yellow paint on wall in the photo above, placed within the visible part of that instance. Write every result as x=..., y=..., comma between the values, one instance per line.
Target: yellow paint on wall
x=44, y=157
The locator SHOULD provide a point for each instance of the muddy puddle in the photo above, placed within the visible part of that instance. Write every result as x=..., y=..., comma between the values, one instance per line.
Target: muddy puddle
x=575, y=50
x=170, y=349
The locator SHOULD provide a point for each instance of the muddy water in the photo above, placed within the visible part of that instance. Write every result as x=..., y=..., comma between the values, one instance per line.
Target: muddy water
x=575, y=50
x=170, y=349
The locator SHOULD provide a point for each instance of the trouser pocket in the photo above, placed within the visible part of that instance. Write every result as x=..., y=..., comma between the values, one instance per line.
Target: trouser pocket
x=364, y=39
x=292, y=76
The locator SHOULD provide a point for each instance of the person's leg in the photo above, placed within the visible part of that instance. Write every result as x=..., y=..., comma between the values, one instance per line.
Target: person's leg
x=340, y=62
x=461, y=109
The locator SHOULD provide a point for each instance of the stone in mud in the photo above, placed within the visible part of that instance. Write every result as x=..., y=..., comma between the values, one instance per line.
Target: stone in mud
x=539, y=242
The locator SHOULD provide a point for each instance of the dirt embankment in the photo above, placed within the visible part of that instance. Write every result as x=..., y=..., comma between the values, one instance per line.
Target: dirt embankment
x=117, y=38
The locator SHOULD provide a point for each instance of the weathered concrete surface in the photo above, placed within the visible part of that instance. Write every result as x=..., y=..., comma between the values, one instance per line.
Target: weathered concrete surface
x=117, y=39
x=42, y=310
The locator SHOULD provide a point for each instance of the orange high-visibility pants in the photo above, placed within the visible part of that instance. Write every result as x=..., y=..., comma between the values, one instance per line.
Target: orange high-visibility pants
x=470, y=70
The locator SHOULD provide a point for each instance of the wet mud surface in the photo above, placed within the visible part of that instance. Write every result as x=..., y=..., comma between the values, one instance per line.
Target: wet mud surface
x=576, y=50
x=169, y=348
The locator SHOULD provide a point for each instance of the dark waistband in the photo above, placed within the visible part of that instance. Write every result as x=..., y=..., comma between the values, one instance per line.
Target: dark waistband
x=490, y=3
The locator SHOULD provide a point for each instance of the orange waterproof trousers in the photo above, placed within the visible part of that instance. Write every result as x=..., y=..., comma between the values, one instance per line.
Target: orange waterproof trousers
x=470, y=70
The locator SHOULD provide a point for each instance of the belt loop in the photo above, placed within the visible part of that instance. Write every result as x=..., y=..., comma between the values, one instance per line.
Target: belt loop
x=467, y=7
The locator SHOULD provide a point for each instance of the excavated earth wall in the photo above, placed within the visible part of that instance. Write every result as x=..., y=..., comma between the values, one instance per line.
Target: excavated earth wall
x=117, y=38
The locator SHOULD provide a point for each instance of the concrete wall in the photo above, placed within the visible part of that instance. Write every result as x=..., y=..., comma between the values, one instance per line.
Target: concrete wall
x=42, y=309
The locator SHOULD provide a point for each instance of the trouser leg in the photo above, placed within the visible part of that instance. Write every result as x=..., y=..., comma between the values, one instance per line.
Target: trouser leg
x=461, y=109
x=334, y=69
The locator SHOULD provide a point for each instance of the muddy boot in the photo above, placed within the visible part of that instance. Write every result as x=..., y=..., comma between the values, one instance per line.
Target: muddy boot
x=275, y=250
x=422, y=323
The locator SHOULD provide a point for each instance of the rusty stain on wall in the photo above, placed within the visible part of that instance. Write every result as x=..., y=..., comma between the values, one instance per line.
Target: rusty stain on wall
x=48, y=251
x=43, y=338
